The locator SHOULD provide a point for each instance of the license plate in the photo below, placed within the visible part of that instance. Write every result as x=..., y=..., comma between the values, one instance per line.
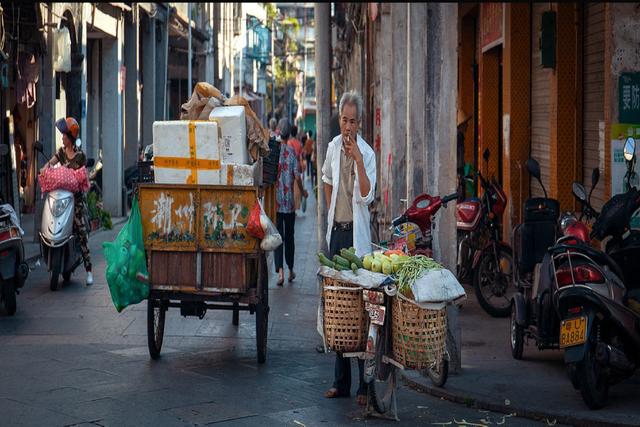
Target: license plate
x=374, y=297
x=376, y=313
x=573, y=331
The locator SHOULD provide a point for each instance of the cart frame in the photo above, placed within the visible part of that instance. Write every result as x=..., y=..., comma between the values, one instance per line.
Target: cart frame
x=207, y=285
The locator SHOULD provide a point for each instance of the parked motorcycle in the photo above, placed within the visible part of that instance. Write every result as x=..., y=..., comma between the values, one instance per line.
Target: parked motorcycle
x=483, y=257
x=533, y=315
x=412, y=231
x=59, y=246
x=598, y=298
x=13, y=269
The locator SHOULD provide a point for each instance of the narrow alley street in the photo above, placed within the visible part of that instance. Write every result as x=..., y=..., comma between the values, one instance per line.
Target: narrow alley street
x=70, y=359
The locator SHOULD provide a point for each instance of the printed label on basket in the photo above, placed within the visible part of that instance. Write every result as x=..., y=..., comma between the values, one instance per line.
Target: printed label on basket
x=376, y=313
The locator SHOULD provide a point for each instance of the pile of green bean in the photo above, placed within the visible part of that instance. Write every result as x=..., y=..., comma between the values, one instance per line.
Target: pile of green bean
x=412, y=269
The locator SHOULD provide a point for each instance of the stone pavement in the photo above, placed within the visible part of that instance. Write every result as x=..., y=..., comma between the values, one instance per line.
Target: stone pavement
x=68, y=358
x=536, y=386
x=31, y=241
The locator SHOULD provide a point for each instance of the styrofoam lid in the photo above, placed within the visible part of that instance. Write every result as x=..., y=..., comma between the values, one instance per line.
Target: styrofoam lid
x=230, y=111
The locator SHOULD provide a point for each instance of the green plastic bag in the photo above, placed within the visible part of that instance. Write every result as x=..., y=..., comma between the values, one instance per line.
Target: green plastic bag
x=126, y=271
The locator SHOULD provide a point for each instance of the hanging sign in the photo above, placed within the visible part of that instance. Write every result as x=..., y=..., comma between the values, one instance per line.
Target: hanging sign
x=629, y=98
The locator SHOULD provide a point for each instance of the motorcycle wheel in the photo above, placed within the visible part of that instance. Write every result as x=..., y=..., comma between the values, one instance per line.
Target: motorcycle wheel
x=439, y=372
x=381, y=380
x=594, y=385
x=9, y=297
x=56, y=264
x=492, y=293
x=517, y=336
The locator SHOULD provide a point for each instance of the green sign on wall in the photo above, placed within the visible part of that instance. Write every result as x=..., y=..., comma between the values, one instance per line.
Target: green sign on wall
x=629, y=98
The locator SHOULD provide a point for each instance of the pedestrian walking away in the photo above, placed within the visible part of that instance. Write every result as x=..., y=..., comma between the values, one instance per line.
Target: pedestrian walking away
x=71, y=156
x=288, y=176
x=349, y=177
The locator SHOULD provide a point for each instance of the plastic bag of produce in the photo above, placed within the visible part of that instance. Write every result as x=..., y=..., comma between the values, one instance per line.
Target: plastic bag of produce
x=254, y=225
x=437, y=286
x=272, y=238
x=126, y=272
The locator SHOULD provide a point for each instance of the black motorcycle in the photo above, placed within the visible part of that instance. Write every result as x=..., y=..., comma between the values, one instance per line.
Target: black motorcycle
x=598, y=299
x=532, y=313
x=13, y=269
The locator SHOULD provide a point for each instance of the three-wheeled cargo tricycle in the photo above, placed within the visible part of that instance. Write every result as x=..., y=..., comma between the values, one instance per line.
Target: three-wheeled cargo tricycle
x=201, y=257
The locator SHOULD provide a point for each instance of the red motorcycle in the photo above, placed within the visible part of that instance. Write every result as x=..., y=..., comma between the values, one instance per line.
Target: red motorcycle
x=412, y=231
x=483, y=258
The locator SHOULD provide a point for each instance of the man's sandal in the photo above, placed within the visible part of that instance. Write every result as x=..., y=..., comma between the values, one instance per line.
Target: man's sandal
x=332, y=393
x=361, y=399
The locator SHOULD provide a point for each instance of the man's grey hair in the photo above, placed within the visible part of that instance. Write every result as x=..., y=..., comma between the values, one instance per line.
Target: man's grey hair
x=352, y=97
x=285, y=128
x=273, y=123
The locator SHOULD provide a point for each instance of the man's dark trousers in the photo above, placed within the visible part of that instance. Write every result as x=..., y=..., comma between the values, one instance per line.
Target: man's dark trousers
x=343, y=239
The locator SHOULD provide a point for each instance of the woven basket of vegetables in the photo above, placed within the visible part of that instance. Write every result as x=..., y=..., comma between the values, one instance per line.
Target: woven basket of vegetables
x=419, y=335
x=344, y=317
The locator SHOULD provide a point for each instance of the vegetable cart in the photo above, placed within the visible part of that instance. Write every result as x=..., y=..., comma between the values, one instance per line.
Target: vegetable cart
x=200, y=256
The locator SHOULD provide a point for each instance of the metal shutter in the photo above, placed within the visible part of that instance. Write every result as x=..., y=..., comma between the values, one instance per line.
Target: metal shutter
x=593, y=98
x=540, y=105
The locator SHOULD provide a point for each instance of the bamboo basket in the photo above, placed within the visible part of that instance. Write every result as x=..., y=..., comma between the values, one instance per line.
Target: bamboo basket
x=344, y=317
x=419, y=335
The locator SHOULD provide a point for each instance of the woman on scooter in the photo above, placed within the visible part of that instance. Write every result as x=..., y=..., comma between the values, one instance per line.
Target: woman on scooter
x=71, y=156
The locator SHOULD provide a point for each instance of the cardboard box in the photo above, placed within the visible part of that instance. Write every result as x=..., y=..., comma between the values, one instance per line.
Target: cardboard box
x=186, y=152
x=233, y=144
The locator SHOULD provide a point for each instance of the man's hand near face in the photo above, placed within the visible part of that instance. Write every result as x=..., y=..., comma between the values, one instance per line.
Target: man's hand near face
x=352, y=150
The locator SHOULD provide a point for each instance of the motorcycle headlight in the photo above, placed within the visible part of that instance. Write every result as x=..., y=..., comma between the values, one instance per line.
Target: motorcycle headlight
x=59, y=206
x=567, y=219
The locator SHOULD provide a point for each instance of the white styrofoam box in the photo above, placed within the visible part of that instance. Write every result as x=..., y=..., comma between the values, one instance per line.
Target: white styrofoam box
x=236, y=174
x=233, y=145
x=177, y=154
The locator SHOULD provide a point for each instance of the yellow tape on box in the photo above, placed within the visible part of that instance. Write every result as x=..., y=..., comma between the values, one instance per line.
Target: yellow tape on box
x=186, y=152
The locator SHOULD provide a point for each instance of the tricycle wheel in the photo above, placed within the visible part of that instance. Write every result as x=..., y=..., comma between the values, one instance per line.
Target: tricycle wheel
x=156, y=311
x=517, y=335
x=262, y=312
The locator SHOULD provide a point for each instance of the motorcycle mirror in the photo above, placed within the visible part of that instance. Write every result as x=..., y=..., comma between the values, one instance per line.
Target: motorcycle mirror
x=595, y=177
x=579, y=191
x=534, y=168
x=4, y=149
x=486, y=155
x=91, y=162
x=629, y=149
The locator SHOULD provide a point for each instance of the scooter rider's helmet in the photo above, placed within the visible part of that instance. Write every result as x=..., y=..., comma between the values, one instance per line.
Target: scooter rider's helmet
x=69, y=127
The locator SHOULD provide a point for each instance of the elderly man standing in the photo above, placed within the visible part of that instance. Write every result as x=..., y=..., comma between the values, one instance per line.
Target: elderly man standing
x=349, y=176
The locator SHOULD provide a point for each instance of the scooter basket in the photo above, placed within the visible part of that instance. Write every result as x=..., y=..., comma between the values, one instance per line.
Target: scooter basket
x=344, y=317
x=419, y=335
